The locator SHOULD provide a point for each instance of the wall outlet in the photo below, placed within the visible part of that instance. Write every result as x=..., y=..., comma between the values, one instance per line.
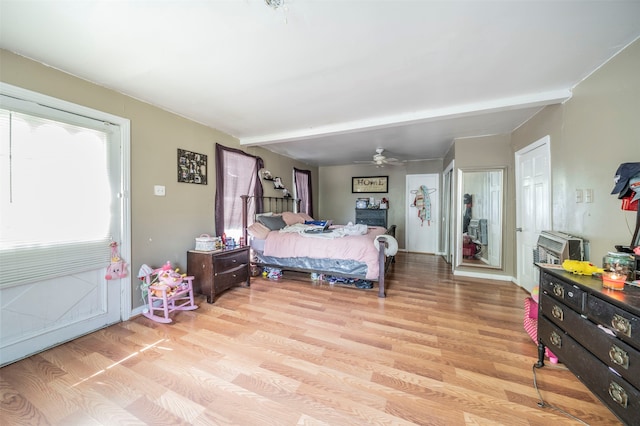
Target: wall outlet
x=578, y=195
x=159, y=190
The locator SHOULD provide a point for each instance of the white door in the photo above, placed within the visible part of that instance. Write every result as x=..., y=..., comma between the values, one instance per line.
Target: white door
x=423, y=213
x=533, y=206
x=60, y=291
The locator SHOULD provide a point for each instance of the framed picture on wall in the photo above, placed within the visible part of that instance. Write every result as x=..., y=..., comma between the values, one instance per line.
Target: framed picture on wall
x=192, y=167
x=362, y=184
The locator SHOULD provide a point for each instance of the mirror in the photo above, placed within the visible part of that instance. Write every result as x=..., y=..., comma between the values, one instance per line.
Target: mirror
x=481, y=194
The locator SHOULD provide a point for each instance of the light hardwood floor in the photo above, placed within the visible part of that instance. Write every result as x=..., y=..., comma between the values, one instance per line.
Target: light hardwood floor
x=439, y=350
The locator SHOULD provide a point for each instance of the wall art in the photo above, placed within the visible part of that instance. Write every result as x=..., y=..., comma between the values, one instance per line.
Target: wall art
x=192, y=167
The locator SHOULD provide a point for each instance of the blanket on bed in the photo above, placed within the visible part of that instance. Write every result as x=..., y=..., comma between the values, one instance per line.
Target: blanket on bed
x=360, y=248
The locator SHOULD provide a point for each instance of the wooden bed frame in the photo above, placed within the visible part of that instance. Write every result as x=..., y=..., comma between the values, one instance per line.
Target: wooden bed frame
x=280, y=204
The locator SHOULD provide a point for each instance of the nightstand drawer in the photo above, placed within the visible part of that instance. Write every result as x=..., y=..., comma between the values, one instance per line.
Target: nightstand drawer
x=223, y=262
x=230, y=277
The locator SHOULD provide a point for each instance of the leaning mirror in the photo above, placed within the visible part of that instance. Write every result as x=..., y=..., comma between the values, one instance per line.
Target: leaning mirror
x=481, y=193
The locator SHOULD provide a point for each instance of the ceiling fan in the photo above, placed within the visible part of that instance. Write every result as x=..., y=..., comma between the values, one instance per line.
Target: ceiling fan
x=380, y=160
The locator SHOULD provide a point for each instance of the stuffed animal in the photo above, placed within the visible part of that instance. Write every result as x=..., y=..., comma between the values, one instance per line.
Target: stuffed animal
x=118, y=267
x=580, y=267
x=168, y=279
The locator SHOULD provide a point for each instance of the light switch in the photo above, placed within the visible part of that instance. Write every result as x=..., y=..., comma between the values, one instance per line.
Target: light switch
x=588, y=195
x=578, y=195
x=158, y=190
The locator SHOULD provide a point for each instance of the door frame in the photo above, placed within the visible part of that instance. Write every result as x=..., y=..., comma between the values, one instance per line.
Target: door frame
x=448, y=233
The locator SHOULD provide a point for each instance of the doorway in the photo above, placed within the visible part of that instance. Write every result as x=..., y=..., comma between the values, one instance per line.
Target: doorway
x=423, y=214
x=533, y=206
x=54, y=286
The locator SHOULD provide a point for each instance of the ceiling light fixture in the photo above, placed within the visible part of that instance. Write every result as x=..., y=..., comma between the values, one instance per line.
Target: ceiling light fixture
x=275, y=4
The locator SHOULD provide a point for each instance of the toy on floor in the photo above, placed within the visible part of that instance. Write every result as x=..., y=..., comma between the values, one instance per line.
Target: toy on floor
x=166, y=291
x=580, y=267
x=530, y=321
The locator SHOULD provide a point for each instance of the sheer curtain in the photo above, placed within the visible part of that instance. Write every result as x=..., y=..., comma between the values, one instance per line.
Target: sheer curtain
x=236, y=175
x=302, y=183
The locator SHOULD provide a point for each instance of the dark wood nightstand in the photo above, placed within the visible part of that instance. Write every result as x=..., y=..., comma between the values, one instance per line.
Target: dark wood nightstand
x=217, y=271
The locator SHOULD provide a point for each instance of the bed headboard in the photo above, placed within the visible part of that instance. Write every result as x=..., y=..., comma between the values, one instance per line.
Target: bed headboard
x=264, y=205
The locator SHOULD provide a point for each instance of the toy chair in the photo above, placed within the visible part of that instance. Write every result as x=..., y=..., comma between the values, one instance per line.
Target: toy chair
x=167, y=291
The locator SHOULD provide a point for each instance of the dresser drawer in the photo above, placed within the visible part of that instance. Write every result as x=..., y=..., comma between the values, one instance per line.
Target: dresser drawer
x=224, y=262
x=614, y=391
x=563, y=316
x=624, y=324
x=567, y=293
x=228, y=278
x=624, y=359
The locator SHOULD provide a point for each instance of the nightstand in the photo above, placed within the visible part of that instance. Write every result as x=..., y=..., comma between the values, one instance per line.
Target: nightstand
x=217, y=271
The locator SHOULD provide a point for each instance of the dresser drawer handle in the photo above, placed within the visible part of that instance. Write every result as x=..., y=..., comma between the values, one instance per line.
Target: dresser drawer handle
x=619, y=357
x=555, y=339
x=558, y=290
x=618, y=394
x=621, y=324
x=557, y=313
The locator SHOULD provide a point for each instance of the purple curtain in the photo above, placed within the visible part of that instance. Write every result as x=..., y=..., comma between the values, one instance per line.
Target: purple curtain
x=236, y=175
x=302, y=182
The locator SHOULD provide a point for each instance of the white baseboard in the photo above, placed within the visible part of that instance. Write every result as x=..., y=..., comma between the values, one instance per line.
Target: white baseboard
x=483, y=275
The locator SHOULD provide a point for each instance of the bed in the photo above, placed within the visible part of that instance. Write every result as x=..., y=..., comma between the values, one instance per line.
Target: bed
x=349, y=252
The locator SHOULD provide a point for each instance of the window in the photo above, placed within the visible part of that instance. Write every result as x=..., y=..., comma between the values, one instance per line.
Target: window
x=302, y=184
x=236, y=175
x=55, y=170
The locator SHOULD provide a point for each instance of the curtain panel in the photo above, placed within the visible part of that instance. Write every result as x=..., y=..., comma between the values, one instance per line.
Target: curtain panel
x=236, y=175
x=302, y=182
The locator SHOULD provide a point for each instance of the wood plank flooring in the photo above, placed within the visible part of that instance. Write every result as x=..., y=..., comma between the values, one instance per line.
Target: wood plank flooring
x=439, y=350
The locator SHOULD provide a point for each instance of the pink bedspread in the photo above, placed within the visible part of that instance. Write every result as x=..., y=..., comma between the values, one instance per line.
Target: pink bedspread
x=353, y=247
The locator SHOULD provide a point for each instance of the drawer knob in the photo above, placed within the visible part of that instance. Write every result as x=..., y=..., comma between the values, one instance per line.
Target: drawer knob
x=618, y=394
x=557, y=312
x=558, y=290
x=619, y=357
x=621, y=325
x=555, y=339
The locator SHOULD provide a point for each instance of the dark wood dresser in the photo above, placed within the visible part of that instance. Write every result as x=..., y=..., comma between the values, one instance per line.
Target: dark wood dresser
x=372, y=217
x=217, y=271
x=595, y=332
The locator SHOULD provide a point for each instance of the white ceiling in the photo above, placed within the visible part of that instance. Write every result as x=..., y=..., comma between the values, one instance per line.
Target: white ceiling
x=326, y=82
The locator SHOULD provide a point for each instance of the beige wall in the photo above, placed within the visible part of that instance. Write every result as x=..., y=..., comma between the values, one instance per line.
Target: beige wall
x=338, y=203
x=162, y=228
x=591, y=134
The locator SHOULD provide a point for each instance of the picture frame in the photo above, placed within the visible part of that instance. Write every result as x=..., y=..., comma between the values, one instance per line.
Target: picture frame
x=192, y=167
x=369, y=184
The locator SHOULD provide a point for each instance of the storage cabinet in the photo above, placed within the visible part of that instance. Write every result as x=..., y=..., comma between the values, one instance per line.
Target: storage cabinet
x=595, y=332
x=215, y=272
x=372, y=217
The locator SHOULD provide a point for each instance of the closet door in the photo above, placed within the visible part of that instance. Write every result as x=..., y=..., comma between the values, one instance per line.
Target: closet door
x=423, y=213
